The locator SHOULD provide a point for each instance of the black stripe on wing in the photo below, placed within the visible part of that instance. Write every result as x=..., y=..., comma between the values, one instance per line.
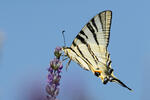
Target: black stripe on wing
x=73, y=43
x=81, y=39
x=82, y=54
x=81, y=64
x=110, y=27
x=93, y=55
x=88, y=48
x=87, y=61
x=89, y=26
x=81, y=32
x=101, y=22
x=103, y=18
x=93, y=23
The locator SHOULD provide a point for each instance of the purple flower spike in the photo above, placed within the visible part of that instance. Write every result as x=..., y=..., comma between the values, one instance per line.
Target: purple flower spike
x=60, y=67
x=58, y=52
x=57, y=91
x=55, y=64
x=54, y=76
x=50, y=78
x=58, y=49
x=50, y=69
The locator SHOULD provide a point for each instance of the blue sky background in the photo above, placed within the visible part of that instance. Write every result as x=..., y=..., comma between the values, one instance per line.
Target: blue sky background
x=31, y=29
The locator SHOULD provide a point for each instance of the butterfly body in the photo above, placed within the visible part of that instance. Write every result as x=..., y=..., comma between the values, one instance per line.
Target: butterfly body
x=89, y=48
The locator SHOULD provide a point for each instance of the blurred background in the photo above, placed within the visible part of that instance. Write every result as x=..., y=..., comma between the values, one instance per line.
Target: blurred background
x=31, y=29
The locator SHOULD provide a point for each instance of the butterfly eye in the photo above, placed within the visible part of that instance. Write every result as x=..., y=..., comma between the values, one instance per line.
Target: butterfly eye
x=97, y=74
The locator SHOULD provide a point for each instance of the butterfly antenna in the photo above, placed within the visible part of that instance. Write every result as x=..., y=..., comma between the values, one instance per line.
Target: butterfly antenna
x=64, y=45
x=64, y=37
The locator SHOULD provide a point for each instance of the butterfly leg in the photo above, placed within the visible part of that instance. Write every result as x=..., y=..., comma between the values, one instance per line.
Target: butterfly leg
x=68, y=64
x=65, y=59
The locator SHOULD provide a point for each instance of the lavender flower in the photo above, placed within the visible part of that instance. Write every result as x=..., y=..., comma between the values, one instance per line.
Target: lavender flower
x=54, y=76
x=58, y=52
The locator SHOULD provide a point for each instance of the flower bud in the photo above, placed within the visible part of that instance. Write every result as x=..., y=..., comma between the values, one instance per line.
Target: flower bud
x=55, y=64
x=58, y=52
x=56, y=92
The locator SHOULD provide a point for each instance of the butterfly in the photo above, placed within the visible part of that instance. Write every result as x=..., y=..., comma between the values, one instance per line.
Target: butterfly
x=89, y=48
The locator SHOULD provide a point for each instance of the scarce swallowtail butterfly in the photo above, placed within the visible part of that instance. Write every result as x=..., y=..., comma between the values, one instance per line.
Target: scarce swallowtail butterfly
x=89, y=48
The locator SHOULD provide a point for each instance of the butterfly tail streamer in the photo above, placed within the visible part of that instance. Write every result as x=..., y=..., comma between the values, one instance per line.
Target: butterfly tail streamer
x=121, y=83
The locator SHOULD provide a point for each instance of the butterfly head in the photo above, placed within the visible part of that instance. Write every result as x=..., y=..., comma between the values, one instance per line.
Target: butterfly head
x=67, y=51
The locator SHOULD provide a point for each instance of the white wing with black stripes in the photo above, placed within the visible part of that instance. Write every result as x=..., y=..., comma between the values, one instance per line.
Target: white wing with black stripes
x=97, y=30
x=92, y=41
x=89, y=48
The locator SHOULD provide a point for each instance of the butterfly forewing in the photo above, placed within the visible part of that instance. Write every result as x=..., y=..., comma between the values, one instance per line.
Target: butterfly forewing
x=97, y=30
x=91, y=43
